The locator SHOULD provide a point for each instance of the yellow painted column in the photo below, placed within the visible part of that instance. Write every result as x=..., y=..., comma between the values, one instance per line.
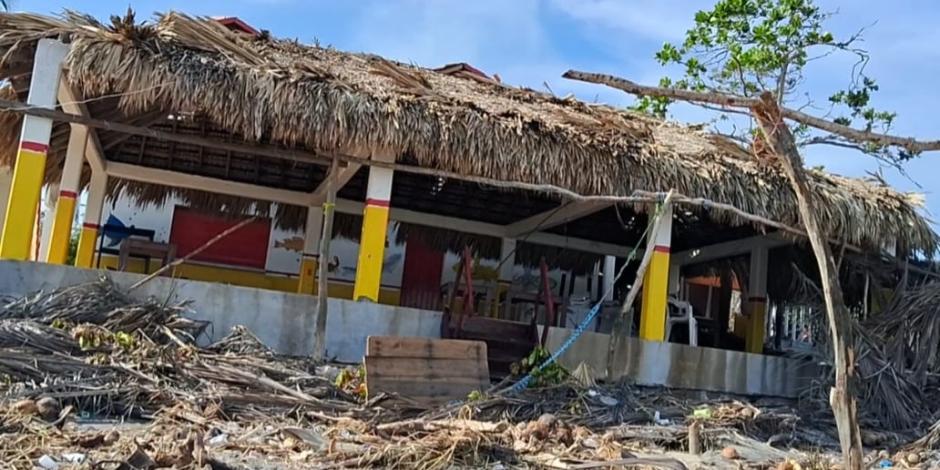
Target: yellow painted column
x=88, y=238
x=30, y=168
x=307, y=282
x=656, y=282
x=68, y=193
x=6, y=180
x=757, y=301
x=374, y=232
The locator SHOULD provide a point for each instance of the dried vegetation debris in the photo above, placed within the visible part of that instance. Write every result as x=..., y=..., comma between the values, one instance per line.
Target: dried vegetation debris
x=93, y=378
x=896, y=365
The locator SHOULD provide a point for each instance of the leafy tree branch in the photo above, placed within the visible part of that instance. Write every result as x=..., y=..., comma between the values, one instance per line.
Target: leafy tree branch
x=747, y=47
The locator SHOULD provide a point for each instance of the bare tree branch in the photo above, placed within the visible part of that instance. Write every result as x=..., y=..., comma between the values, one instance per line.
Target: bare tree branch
x=726, y=100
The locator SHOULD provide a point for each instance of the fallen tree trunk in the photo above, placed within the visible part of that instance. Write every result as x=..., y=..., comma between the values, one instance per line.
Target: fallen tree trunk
x=777, y=136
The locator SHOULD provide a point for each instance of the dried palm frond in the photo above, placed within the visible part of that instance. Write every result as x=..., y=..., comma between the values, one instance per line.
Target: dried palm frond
x=277, y=91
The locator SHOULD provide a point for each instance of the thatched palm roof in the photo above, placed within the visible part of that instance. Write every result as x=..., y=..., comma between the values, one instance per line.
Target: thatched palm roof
x=321, y=99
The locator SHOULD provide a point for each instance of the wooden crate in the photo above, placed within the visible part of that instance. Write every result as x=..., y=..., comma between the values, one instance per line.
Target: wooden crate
x=425, y=370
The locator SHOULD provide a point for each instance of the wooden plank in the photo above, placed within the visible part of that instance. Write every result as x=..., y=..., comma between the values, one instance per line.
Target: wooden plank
x=499, y=330
x=393, y=346
x=426, y=370
x=424, y=392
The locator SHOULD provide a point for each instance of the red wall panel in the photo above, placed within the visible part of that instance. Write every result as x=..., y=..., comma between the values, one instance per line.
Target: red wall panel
x=421, y=278
x=247, y=246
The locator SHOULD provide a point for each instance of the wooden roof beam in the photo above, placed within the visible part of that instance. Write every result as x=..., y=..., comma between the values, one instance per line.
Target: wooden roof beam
x=729, y=248
x=216, y=185
x=71, y=104
x=560, y=215
x=143, y=120
x=179, y=179
x=343, y=175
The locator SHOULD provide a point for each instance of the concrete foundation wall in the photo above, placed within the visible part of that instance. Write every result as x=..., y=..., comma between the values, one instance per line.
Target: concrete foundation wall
x=682, y=366
x=286, y=323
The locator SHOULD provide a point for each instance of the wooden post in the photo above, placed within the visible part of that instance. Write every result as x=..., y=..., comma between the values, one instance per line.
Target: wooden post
x=623, y=323
x=695, y=438
x=778, y=137
x=329, y=208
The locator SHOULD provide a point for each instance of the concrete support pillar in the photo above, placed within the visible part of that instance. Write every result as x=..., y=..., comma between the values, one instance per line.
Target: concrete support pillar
x=656, y=282
x=374, y=232
x=507, y=258
x=757, y=301
x=309, y=260
x=61, y=232
x=30, y=168
x=610, y=272
x=94, y=205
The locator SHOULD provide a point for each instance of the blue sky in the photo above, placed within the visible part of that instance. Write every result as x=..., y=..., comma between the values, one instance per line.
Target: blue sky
x=531, y=43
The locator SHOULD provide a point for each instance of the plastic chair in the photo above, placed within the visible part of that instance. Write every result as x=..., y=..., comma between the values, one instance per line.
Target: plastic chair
x=681, y=312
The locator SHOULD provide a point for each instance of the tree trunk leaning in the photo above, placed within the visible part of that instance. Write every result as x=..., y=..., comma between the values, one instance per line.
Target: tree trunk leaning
x=841, y=397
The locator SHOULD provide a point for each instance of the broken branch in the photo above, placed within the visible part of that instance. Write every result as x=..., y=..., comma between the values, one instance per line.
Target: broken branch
x=733, y=101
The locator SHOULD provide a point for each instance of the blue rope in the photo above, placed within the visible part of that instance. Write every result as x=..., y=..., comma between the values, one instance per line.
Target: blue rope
x=523, y=383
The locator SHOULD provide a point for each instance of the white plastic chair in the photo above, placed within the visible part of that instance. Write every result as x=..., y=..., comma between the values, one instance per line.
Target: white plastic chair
x=681, y=312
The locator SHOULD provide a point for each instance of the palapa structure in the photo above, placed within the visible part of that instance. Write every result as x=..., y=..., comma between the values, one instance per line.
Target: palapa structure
x=293, y=107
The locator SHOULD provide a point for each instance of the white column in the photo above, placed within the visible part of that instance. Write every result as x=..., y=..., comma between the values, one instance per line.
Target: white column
x=610, y=268
x=507, y=258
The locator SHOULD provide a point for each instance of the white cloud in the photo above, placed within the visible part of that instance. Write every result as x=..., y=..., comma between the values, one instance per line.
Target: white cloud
x=660, y=20
x=439, y=32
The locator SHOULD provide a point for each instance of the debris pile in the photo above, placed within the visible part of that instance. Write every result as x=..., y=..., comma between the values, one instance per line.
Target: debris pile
x=897, y=365
x=92, y=378
x=97, y=349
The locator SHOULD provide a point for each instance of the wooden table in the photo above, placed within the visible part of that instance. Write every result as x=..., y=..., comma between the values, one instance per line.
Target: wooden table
x=142, y=248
